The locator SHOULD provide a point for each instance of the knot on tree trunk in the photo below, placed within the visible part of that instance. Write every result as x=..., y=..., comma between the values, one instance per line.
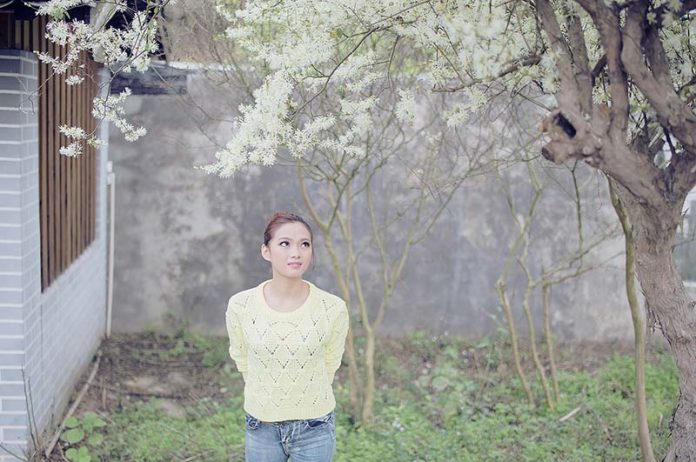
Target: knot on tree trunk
x=562, y=132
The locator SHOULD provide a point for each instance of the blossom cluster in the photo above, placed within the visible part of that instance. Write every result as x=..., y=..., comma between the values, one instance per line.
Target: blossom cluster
x=120, y=49
x=472, y=47
x=111, y=109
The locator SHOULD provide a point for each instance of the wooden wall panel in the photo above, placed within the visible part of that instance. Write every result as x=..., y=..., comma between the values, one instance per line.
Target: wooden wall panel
x=67, y=186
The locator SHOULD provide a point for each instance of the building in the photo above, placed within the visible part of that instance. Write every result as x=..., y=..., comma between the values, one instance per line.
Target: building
x=53, y=252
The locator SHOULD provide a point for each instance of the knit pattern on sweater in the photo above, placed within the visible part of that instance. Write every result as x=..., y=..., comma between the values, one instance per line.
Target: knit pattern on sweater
x=288, y=359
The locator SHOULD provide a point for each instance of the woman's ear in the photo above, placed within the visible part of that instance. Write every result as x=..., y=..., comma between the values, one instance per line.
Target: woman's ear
x=265, y=252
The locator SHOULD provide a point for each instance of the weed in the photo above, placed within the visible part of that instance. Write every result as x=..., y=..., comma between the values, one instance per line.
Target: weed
x=83, y=437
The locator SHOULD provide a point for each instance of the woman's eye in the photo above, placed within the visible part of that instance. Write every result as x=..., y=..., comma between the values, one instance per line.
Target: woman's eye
x=306, y=245
x=283, y=243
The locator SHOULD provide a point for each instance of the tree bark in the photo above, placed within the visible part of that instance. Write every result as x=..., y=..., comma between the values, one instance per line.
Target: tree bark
x=672, y=307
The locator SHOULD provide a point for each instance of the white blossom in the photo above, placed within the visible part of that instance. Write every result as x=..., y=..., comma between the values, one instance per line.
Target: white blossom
x=406, y=107
x=111, y=109
x=59, y=8
x=71, y=150
x=260, y=131
x=76, y=133
x=74, y=80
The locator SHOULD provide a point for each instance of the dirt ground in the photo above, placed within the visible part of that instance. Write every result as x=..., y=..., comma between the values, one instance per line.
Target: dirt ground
x=133, y=367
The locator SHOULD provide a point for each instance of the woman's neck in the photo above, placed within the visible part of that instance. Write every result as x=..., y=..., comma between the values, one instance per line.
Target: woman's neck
x=286, y=287
x=283, y=294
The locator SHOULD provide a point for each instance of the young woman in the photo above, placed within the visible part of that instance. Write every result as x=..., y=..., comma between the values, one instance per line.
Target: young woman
x=287, y=337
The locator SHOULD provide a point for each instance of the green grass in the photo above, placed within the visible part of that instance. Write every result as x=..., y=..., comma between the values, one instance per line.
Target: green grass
x=432, y=405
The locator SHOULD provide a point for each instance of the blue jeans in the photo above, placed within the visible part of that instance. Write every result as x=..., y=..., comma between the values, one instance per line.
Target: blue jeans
x=311, y=440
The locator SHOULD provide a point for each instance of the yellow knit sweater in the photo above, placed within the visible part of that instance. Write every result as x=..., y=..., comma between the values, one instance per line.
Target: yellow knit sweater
x=288, y=360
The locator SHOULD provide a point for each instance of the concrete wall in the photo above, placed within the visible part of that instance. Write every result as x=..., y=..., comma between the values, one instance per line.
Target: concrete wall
x=186, y=241
x=46, y=339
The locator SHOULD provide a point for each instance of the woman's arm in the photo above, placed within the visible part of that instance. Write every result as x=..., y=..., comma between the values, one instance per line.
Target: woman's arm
x=238, y=347
x=337, y=341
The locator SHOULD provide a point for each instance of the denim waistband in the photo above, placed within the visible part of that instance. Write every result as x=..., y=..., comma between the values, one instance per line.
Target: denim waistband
x=325, y=418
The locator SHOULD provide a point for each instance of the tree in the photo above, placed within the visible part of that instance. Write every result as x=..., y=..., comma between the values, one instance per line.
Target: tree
x=618, y=77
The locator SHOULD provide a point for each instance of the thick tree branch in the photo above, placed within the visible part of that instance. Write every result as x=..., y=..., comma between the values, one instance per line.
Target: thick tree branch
x=567, y=94
x=634, y=171
x=578, y=48
x=607, y=22
x=671, y=111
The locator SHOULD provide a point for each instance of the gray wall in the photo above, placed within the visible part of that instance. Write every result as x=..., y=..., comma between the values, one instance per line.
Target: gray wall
x=46, y=339
x=186, y=241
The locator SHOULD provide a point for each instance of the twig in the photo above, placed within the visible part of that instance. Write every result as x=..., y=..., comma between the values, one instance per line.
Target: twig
x=570, y=414
x=76, y=403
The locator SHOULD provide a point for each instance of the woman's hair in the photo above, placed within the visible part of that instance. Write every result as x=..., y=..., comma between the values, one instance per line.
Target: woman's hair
x=280, y=218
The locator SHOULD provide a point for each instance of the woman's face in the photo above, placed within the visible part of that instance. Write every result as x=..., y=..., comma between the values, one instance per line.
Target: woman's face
x=289, y=251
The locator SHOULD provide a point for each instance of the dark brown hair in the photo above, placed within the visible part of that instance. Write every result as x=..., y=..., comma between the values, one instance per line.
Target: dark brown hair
x=280, y=218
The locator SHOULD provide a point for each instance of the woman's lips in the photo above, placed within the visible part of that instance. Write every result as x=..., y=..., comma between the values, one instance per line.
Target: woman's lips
x=295, y=265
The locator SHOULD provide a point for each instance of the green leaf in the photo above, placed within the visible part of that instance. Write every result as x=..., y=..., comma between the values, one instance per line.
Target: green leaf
x=98, y=422
x=72, y=422
x=73, y=436
x=71, y=454
x=95, y=439
x=83, y=455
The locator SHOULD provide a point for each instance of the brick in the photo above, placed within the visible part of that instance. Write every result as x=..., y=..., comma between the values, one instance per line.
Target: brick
x=10, y=280
x=10, y=183
x=30, y=213
x=16, y=82
x=29, y=67
x=27, y=184
x=10, y=100
x=13, y=404
x=16, y=450
x=11, y=134
x=11, y=151
x=10, y=265
x=9, y=199
x=10, y=216
x=10, y=249
x=11, y=313
x=8, y=117
x=12, y=375
x=11, y=296
x=11, y=328
x=11, y=359
x=13, y=54
x=14, y=435
x=13, y=458
x=29, y=165
x=31, y=195
x=29, y=258
x=10, y=344
x=30, y=132
x=8, y=167
x=14, y=420
x=10, y=232
x=10, y=66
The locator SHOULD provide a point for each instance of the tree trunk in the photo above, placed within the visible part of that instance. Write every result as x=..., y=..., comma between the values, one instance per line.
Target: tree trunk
x=666, y=298
x=369, y=390
x=638, y=327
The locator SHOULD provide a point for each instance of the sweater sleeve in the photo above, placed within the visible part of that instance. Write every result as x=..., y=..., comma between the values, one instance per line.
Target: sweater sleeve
x=337, y=341
x=238, y=347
